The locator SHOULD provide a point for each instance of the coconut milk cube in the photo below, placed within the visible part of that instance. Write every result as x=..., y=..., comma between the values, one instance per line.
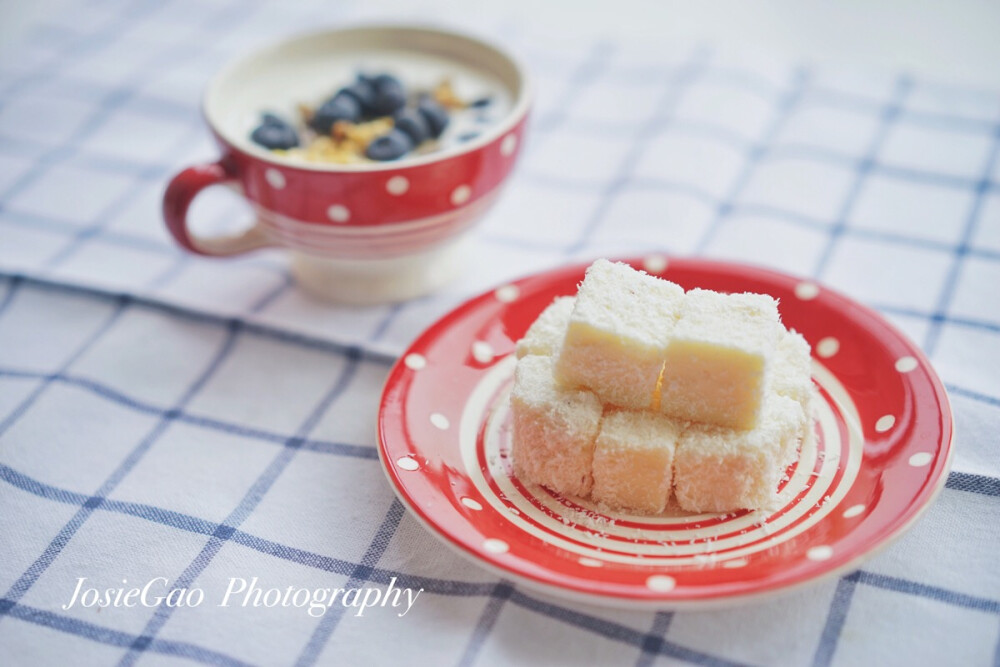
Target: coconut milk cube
x=617, y=333
x=633, y=461
x=553, y=429
x=719, y=469
x=715, y=365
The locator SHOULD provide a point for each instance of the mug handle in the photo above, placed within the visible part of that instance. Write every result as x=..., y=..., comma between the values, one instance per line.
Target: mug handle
x=182, y=190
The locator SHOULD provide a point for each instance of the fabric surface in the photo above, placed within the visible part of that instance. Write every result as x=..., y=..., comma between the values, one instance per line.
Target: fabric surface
x=167, y=416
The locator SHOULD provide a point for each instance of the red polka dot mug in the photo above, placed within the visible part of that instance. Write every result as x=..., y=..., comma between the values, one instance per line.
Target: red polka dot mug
x=362, y=232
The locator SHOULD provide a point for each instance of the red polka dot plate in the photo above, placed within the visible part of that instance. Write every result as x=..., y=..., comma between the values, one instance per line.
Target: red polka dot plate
x=881, y=455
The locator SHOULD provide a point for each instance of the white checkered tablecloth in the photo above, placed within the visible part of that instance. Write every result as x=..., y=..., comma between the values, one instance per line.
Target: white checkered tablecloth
x=168, y=416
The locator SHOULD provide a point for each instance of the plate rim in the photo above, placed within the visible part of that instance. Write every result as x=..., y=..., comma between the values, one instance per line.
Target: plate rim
x=611, y=600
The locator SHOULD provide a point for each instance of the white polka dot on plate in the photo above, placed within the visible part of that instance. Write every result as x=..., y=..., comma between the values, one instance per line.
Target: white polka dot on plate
x=853, y=511
x=906, y=364
x=828, y=347
x=819, y=553
x=275, y=179
x=807, y=290
x=884, y=423
x=408, y=463
x=655, y=264
x=591, y=562
x=660, y=583
x=440, y=421
x=397, y=185
x=472, y=504
x=460, y=195
x=920, y=459
x=415, y=361
x=507, y=293
x=508, y=145
x=338, y=213
x=495, y=546
x=482, y=352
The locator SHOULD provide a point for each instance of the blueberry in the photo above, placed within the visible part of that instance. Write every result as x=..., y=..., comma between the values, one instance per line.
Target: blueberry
x=361, y=91
x=468, y=136
x=481, y=102
x=412, y=122
x=272, y=119
x=391, y=146
x=388, y=99
x=274, y=133
x=380, y=80
x=339, y=107
x=434, y=114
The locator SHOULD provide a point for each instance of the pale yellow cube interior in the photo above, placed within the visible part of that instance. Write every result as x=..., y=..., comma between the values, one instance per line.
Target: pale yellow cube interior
x=633, y=461
x=717, y=358
x=620, y=325
x=712, y=384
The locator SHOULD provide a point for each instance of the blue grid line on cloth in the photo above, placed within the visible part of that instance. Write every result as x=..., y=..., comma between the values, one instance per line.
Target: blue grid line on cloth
x=181, y=262
x=501, y=592
x=791, y=217
x=200, y=526
x=653, y=644
x=974, y=395
x=151, y=169
x=887, y=118
x=340, y=448
x=982, y=484
x=942, y=179
x=886, y=582
x=124, y=240
x=967, y=322
x=951, y=280
x=914, y=589
x=117, y=25
x=8, y=298
x=890, y=113
x=156, y=106
x=179, y=415
x=230, y=17
x=584, y=75
x=659, y=120
x=29, y=220
x=383, y=325
x=29, y=400
x=439, y=586
x=755, y=153
x=614, y=630
x=330, y=621
x=249, y=502
x=115, y=206
x=111, y=637
x=835, y=620
x=329, y=346
x=264, y=301
x=257, y=328
x=56, y=546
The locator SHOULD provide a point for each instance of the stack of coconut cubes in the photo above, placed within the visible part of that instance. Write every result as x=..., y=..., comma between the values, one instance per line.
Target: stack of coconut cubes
x=635, y=390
